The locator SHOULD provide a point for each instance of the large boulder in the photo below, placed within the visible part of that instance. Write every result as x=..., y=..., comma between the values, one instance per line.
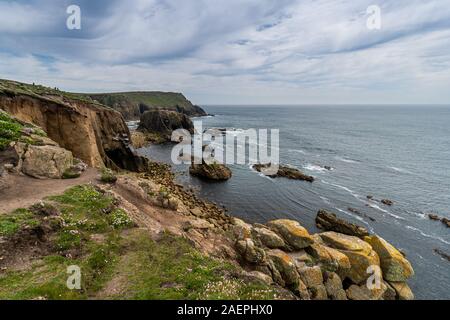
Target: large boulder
x=330, y=222
x=292, y=232
x=250, y=252
x=164, y=122
x=330, y=259
x=213, y=171
x=333, y=286
x=360, y=254
x=362, y=292
x=46, y=161
x=285, y=265
x=268, y=238
x=394, y=265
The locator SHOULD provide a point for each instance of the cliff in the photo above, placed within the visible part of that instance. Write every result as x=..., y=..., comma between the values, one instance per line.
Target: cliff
x=96, y=134
x=133, y=104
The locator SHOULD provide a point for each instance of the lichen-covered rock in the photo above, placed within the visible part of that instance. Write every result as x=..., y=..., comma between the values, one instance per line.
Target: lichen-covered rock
x=330, y=222
x=359, y=253
x=301, y=258
x=333, y=286
x=330, y=259
x=268, y=238
x=394, y=265
x=318, y=292
x=285, y=265
x=362, y=292
x=292, y=232
x=241, y=229
x=311, y=276
x=250, y=252
x=46, y=161
x=402, y=290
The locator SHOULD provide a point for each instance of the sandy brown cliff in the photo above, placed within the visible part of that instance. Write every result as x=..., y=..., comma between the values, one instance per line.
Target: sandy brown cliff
x=94, y=133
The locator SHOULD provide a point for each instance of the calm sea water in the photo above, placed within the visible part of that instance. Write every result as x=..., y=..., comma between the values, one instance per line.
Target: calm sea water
x=398, y=152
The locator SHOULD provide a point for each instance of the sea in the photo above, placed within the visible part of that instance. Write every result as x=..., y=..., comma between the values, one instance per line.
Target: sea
x=400, y=153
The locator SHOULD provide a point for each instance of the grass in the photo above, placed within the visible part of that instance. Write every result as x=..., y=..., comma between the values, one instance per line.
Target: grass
x=102, y=240
x=18, y=219
x=10, y=130
x=108, y=176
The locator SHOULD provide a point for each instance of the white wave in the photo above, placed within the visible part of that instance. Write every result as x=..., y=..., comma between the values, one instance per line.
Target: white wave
x=345, y=160
x=427, y=235
x=325, y=199
x=353, y=193
x=259, y=173
x=374, y=206
x=297, y=151
x=314, y=167
x=399, y=170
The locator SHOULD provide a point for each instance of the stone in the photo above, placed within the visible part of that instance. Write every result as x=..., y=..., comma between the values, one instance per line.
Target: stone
x=292, y=232
x=359, y=253
x=46, y=161
x=311, y=276
x=262, y=277
x=285, y=265
x=283, y=171
x=164, y=122
x=362, y=292
x=403, y=291
x=394, y=265
x=269, y=238
x=387, y=202
x=330, y=259
x=250, y=252
x=241, y=229
x=301, y=258
x=318, y=292
x=330, y=222
x=173, y=204
x=333, y=286
x=213, y=171
x=302, y=291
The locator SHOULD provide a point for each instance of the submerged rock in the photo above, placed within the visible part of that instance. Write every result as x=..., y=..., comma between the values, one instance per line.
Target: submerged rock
x=283, y=171
x=387, y=202
x=330, y=222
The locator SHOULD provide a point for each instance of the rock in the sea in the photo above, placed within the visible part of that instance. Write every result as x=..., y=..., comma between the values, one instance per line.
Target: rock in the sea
x=292, y=232
x=46, y=161
x=213, y=171
x=283, y=171
x=394, y=265
x=330, y=222
x=387, y=202
x=403, y=291
x=359, y=252
x=164, y=122
x=442, y=254
x=269, y=238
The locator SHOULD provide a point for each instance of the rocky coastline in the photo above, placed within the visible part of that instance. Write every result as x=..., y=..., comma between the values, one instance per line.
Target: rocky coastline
x=138, y=197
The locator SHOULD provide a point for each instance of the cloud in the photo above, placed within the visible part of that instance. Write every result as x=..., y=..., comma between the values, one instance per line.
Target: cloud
x=235, y=51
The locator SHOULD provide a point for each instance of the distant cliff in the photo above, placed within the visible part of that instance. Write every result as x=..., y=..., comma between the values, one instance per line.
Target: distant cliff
x=133, y=104
x=94, y=133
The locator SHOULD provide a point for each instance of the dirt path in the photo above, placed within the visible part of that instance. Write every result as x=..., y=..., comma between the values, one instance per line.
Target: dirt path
x=23, y=191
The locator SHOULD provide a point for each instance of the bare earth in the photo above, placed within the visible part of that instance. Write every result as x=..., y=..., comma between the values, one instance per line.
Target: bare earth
x=17, y=191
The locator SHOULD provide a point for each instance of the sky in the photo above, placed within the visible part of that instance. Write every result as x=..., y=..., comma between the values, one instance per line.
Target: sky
x=235, y=51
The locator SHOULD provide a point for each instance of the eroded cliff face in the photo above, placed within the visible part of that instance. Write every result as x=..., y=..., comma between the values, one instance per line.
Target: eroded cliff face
x=94, y=133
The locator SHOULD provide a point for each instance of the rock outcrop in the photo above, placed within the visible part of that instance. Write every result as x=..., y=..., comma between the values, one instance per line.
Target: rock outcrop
x=213, y=171
x=330, y=222
x=283, y=171
x=328, y=265
x=133, y=104
x=92, y=132
x=162, y=123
